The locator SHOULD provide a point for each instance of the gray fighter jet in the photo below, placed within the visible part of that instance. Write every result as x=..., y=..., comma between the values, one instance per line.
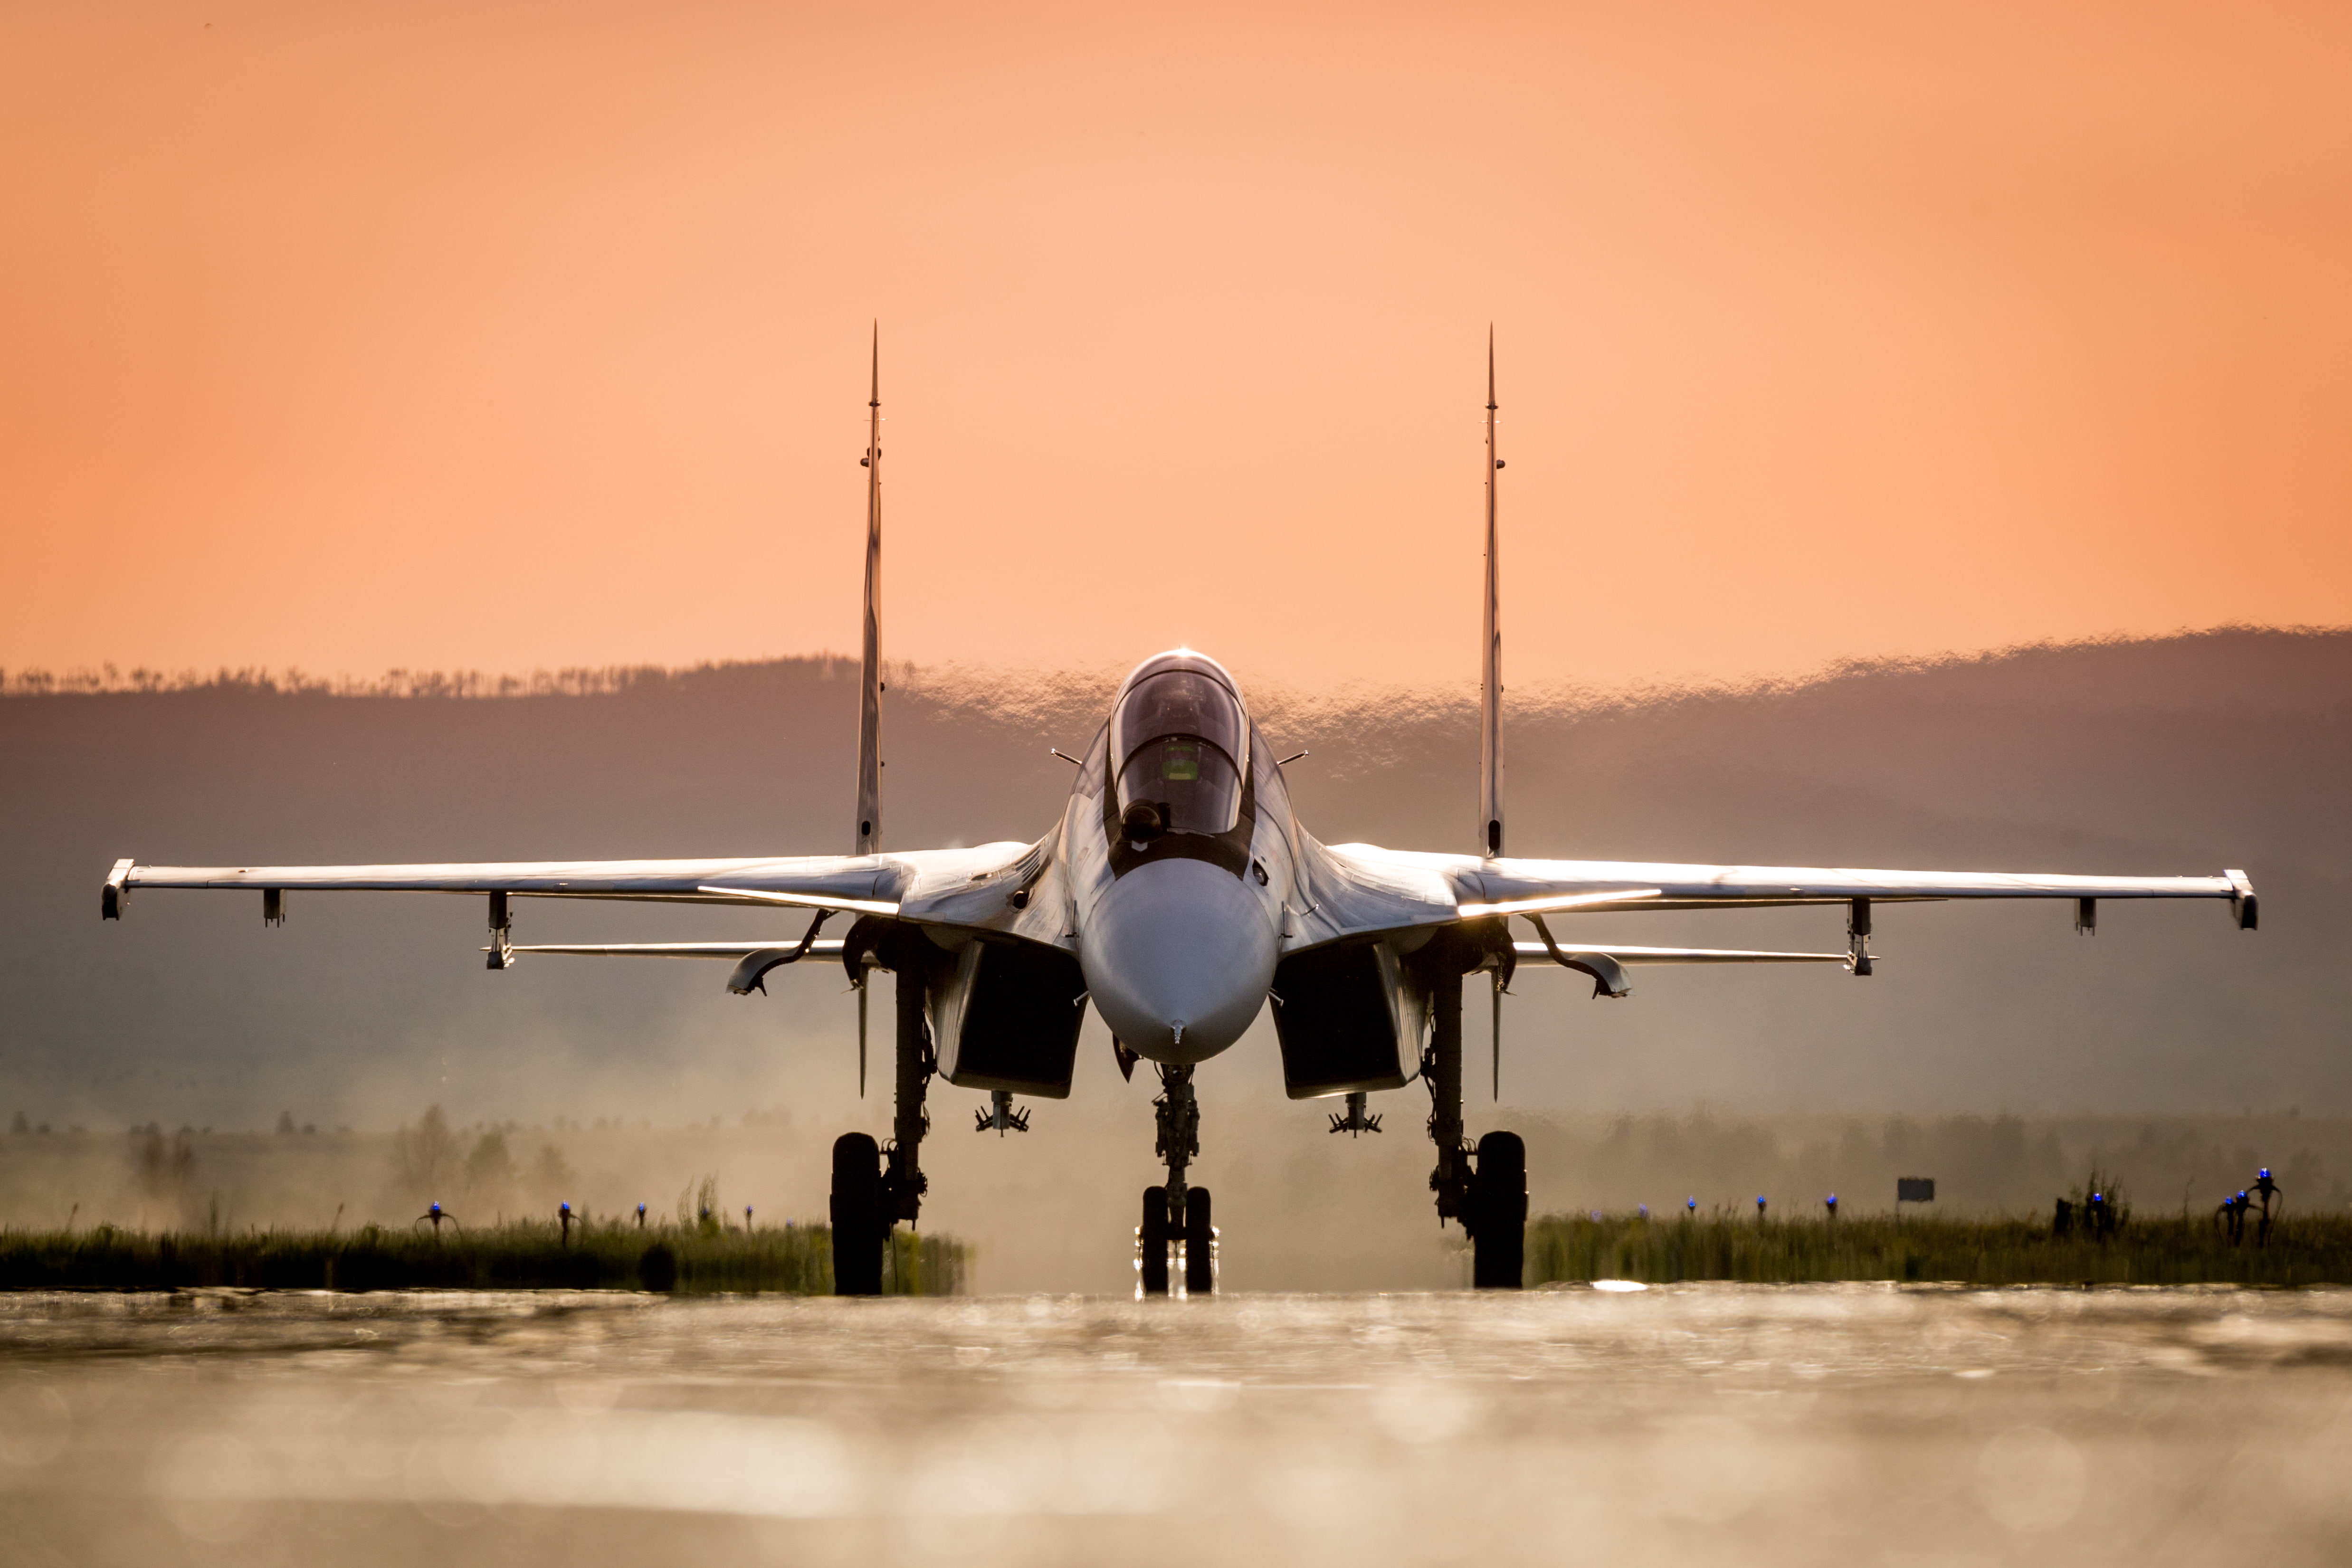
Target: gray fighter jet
x=1181, y=895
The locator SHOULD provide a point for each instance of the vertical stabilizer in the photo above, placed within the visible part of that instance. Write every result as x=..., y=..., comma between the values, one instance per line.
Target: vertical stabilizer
x=1490, y=678
x=869, y=672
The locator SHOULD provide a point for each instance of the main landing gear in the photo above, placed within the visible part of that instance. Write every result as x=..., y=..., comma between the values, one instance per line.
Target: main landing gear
x=1175, y=1216
x=875, y=1187
x=1486, y=1189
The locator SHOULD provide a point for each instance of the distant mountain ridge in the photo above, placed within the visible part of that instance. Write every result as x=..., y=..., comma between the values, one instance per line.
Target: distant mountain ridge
x=2299, y=668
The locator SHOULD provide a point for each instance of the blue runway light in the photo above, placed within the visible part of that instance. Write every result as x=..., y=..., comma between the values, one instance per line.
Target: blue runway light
x=1643, y=1209
x=1691, y=1204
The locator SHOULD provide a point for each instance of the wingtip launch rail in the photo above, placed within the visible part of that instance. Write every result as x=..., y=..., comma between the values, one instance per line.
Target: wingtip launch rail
x=1179, y=898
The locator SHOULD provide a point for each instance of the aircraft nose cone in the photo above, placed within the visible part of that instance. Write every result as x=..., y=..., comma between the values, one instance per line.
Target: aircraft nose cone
x=1178, y=956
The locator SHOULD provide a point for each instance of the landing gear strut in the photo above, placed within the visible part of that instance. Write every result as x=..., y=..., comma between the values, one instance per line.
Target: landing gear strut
x=1487, y=1190
x=1176, y=1212
x=867, y=1201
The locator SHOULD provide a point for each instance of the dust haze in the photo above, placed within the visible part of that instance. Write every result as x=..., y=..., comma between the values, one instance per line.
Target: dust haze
x=222, y=1073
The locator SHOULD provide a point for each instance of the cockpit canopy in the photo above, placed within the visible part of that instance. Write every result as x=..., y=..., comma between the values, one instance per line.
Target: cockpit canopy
x=1179, y=742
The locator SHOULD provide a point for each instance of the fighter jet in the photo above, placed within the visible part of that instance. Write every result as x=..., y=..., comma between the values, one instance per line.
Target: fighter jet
x=1181, y=896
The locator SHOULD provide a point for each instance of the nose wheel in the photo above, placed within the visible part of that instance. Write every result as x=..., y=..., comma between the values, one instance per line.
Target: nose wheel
x=1168, y=1251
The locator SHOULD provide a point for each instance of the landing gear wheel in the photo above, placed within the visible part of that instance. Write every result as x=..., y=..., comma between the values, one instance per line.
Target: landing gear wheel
x=1199, y=1245
x=1155, y=1240
x=1499, y=1201
x=859, y=1228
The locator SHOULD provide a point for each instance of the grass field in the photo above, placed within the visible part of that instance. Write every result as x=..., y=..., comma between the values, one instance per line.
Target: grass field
x=521, y=1256
x=2162, y=1251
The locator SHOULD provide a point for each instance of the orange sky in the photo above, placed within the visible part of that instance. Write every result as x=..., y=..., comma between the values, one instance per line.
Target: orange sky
x=355, y=336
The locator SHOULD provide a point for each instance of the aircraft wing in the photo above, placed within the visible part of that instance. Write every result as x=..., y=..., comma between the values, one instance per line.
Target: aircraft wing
x=986, y=886
x=1356, y=889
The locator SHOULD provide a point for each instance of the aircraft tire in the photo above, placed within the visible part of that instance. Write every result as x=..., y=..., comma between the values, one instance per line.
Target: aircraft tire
x=1155, y=1240
x=859, y=1229
x=1498, y=1244
x=1199, y=1245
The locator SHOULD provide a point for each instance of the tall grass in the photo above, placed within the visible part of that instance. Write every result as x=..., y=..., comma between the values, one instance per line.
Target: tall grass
x=525, y=1255
x=2169, y=1251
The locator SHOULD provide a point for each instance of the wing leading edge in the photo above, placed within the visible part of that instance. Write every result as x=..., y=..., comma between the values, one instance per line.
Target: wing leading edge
x=1363, y=889
x=985, y=886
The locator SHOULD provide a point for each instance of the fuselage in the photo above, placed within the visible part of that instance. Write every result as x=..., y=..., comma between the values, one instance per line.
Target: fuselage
x=1180, y=852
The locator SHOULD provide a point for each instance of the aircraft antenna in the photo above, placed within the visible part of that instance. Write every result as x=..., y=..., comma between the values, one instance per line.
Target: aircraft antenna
x=869, y=696
x=1490, y=681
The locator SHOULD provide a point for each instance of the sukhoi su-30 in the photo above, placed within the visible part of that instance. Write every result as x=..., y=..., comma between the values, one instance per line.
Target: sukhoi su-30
x=1180, y=896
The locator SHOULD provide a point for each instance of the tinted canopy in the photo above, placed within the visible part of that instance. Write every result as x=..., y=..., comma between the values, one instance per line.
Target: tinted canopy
x=1177, y=736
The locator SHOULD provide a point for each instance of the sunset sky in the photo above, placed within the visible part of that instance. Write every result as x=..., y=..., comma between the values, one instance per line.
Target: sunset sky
x=356, y=336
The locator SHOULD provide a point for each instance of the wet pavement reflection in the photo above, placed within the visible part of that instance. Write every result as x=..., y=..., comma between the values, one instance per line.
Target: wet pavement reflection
x=1706, y=1423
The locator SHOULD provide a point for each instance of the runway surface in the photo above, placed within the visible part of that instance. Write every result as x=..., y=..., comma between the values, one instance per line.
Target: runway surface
x=1698, y=1424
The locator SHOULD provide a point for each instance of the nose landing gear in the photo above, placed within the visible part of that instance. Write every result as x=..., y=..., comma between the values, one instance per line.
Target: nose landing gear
x=1176, y=1216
